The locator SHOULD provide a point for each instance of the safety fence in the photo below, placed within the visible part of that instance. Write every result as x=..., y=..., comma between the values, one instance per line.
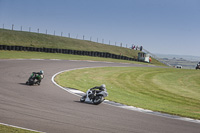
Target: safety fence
x=67, y=51
x=65, y=34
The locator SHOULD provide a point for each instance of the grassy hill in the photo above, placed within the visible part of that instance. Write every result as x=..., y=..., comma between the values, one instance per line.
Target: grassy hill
x=22, y=38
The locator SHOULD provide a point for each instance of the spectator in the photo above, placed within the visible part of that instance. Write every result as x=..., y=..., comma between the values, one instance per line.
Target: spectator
x=150, y=59
x=141, y=48
x=133, y=47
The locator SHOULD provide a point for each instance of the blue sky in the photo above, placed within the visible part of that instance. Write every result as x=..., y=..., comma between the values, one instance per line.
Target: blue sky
x=160, y=26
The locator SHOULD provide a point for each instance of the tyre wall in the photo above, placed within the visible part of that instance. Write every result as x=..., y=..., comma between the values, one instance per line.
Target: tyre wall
x=66, y=51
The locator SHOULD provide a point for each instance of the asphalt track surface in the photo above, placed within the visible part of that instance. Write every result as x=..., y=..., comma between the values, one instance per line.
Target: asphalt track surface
x=48, y=108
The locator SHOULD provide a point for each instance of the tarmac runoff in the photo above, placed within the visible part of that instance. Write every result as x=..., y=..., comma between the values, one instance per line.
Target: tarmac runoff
x=119, y=105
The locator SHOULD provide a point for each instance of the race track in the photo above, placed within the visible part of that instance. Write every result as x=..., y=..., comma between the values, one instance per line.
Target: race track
x=48, y=108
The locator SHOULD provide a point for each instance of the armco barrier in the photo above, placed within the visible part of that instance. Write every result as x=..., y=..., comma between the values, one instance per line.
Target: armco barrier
x=67, y=51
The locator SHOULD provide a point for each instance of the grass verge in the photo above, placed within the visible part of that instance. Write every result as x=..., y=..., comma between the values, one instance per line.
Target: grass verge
x=41, y=55
x=167, y=90
x=8, y=129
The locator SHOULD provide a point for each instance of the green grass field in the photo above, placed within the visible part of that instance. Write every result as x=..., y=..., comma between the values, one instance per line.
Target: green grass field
x=167, y=90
